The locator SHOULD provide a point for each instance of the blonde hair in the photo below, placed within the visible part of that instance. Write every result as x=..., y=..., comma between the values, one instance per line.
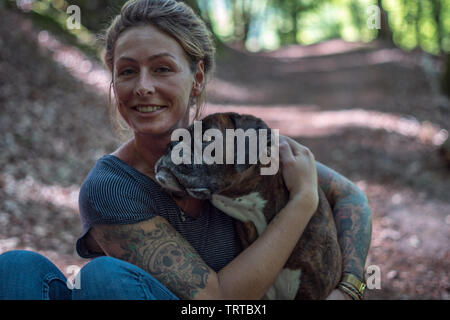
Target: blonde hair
x=175, y=19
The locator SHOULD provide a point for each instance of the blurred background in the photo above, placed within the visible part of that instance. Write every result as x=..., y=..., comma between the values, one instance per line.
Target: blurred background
x=364, y=84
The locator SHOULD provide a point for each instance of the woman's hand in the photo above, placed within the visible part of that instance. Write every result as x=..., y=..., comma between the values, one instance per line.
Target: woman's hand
x=299, y=171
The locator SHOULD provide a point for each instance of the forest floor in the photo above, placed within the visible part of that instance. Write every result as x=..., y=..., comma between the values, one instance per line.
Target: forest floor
x=369, y=111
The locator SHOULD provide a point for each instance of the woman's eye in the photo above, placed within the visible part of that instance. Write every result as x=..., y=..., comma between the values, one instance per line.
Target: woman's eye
x=126, y=72
x=162, y=69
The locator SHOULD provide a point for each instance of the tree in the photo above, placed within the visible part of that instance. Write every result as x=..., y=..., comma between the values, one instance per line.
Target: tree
x=291, y=11
x=358, y=21
x=445, y=82
x=385, y=32
x=417, y=22
x=242, y=15
x=437, y=7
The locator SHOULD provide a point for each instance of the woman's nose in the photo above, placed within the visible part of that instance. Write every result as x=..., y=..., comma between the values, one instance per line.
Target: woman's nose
x=145, y=84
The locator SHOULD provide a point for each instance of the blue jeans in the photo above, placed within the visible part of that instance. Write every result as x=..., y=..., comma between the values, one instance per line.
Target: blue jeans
x=26, y=275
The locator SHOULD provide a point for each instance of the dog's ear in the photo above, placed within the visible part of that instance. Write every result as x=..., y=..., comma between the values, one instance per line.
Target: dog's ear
x=247, y=121
x=258, y=124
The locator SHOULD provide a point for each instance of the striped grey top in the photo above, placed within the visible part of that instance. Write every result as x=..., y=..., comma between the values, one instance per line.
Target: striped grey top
x=116, y=193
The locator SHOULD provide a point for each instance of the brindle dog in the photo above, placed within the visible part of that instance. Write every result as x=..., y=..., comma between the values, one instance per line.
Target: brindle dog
x=314, y=268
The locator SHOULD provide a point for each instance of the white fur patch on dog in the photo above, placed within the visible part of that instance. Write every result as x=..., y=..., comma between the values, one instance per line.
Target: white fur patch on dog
x=246, y=208
x=250, y=208
x=286, y=285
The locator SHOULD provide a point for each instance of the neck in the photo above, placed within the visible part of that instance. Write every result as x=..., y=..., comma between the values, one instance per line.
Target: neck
x=149, y=149
x=142, y=153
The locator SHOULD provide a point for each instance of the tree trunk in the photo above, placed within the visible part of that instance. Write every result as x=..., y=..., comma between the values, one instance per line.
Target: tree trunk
x=417, y=23
x=445, y=81
x=385, y=33
x=294, y=17
x=437, y=18
x=247, y=17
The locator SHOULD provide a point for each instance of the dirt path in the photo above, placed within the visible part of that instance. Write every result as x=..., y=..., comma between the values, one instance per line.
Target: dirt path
x=369, y=112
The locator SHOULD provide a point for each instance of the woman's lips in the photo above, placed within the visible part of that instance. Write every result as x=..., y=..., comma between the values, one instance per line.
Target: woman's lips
x=148, y=108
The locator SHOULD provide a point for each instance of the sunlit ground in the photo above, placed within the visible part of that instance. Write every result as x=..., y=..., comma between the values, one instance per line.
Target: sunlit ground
x=309, y=121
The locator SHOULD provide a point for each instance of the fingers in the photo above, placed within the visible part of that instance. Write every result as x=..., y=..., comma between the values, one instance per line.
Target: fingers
x=292, y=148
x=285, y=149
x=298, y=168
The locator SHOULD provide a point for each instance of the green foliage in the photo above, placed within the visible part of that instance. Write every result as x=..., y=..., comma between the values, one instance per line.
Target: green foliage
x=273, y=23
x=268, y=24
x=420, y=24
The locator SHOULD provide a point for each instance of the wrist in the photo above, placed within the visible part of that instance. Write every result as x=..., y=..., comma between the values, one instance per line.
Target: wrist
x=352, y=286
x=308, y=200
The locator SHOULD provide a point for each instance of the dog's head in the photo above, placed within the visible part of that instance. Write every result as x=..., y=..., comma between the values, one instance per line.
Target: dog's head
x=209, y=165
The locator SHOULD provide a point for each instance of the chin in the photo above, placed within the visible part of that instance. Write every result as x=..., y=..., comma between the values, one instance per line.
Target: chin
x=162, y=125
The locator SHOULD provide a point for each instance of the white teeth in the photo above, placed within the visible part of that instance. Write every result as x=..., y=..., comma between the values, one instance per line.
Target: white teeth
x=147, y=108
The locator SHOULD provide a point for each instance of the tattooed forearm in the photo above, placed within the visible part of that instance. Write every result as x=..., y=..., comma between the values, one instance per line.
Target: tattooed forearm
x=352, y=216
x=353, y=223
x=162, y=253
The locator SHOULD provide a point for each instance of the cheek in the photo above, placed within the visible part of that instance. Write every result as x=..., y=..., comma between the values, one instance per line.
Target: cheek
x=123, y=91
x=184, y=87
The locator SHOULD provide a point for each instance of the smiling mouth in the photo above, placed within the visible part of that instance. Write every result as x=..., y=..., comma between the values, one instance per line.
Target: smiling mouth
x=147, y=108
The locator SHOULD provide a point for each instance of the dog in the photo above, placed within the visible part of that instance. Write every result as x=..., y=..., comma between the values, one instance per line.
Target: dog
x=313, y=269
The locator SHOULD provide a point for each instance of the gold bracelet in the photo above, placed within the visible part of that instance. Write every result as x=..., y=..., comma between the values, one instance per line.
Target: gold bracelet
x=353, y=295
x=345, y=286
x=353, y=282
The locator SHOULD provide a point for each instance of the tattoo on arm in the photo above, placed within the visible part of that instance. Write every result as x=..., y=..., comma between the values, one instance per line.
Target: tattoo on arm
x=162, y=253
x=352, y=216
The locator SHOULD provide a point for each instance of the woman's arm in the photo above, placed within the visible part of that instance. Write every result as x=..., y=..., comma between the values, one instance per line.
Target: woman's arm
x=155, y=246
x=352, y=216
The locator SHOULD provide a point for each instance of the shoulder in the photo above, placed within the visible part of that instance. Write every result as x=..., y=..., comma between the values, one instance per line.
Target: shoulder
x=108, y=173
x=113, y=187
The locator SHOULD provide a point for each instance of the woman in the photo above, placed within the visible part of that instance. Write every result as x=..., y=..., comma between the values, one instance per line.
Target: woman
x=160, y=54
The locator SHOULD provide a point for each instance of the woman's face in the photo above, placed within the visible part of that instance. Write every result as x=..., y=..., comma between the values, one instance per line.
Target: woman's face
x=153, y=81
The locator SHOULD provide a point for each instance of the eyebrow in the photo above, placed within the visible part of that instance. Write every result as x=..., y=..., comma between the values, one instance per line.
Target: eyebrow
x=153, y=57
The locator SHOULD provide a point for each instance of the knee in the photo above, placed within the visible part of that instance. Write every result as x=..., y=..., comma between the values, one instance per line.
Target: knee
x=29, y=275
x=21, y=260
x=109, y=278
x=104, y=278
x=101, y=266
x=102, y=271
